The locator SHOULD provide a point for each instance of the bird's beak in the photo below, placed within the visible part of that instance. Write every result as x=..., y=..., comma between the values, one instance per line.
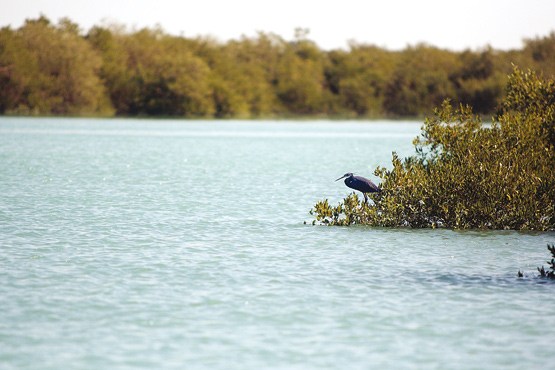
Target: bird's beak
x=342, y=177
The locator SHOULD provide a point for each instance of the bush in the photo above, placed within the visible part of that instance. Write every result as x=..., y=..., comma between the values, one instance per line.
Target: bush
x=466, y=174
x=550, y=274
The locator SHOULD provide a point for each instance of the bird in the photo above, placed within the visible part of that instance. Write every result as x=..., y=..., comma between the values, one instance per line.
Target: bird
x=361, y=184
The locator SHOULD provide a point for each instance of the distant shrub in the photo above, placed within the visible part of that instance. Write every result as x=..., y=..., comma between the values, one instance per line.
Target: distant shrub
x=466, y=174
x=550, y=274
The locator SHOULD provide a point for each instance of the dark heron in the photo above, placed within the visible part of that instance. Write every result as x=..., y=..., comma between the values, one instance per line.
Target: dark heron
x=360, y=183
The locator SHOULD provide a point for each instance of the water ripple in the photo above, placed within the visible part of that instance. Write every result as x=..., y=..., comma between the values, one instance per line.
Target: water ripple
x=182, y=245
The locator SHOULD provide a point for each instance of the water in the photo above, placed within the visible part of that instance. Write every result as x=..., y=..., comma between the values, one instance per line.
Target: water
x=129, y=244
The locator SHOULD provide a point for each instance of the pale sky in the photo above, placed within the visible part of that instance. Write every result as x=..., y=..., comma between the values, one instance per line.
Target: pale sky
x=392, y=24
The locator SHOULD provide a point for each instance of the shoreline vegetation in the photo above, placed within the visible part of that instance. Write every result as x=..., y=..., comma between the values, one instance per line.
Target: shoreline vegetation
x=546, y=274
x=467, y=175
x=49, y=69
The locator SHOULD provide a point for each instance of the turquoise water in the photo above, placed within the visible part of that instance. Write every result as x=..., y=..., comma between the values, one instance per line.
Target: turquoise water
x=129, y=244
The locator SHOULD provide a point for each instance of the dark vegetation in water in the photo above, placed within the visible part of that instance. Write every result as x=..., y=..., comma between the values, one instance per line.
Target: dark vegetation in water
x=58, y=69
x=550, y=273
x=469, y=175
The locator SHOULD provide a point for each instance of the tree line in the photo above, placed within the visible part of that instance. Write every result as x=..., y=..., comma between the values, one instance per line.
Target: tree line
x=57, y=69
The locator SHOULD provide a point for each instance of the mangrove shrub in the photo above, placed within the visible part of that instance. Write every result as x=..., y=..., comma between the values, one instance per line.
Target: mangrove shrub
x=466, y=174
x=550, y=273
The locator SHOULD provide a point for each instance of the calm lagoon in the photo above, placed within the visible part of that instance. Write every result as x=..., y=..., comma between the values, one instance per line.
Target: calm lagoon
x=162, y=244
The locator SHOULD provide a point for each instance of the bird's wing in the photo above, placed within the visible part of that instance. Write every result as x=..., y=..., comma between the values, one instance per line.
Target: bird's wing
x=367, y=184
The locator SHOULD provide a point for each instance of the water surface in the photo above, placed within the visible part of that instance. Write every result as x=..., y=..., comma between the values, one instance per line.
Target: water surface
x=181, y=244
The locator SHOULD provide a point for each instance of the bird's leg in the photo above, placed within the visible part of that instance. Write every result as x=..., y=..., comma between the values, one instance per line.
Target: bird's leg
x=365, y=198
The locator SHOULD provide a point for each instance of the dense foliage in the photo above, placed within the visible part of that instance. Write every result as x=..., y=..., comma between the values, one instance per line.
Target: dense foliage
x=50, y=68
x=469, y=175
